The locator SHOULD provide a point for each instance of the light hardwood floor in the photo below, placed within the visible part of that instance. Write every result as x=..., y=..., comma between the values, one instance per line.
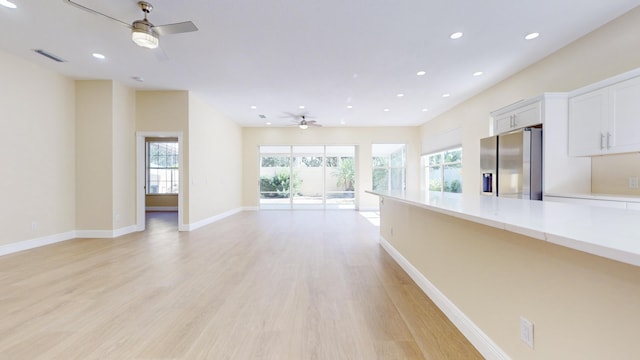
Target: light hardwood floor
x=256, y=285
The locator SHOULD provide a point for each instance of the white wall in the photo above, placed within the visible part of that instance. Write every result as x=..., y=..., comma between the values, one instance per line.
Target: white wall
x=37, y=117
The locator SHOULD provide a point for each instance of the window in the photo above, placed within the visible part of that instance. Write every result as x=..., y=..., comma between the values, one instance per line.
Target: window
x=388, y=166
x=444, y=171
x=307, y=177
x=162, y=167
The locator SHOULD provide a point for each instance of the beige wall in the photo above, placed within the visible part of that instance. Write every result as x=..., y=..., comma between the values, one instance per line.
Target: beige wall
x=105, y=155
x=167, y=111
x=94, y=155
x=215, y=160
x=582, y=306
x=610, y=174
x=124, y=160
x=605, y=52
x=363, y=138
x=161, y=200
x=37, y=121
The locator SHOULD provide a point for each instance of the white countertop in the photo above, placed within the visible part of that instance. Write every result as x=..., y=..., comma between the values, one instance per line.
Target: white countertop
x=610, y=233
x=609, y=197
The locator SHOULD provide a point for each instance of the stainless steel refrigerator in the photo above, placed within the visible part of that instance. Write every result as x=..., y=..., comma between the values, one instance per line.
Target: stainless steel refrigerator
x=511, y=164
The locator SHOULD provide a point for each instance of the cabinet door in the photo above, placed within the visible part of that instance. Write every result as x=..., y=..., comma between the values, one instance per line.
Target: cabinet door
x=587, y=117
x=502, y=123
x=528, y=115
x=624, y=122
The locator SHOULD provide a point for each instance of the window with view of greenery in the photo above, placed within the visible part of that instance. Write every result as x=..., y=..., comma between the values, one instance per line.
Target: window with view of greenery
x=389, y=162
x=444, y=171
x=162, y=167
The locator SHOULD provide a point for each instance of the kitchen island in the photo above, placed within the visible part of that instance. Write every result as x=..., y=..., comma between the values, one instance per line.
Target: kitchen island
x=572, y=270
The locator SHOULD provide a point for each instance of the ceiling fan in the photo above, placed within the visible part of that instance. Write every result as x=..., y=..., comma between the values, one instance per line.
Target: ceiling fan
x=143, y=32
x=301, y=120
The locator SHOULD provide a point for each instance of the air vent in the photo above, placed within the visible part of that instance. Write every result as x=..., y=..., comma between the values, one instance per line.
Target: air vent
x=49, y=55
x=262, y=116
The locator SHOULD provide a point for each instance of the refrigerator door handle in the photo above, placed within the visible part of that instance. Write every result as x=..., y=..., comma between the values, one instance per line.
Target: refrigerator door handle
x=601, y=141
x=608, y=140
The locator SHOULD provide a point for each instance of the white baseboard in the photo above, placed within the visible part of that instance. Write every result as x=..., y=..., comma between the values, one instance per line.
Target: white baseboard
x=106, y=234
x=125, y=230
x=94, y=234
x=34, y=243
x=471, y=331
x=210, y=220
x=161, y=208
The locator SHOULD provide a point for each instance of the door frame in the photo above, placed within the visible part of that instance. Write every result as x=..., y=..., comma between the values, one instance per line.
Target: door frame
x=141, y=176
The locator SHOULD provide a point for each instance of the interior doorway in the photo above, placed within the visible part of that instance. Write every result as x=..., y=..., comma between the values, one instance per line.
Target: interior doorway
x=159, y=175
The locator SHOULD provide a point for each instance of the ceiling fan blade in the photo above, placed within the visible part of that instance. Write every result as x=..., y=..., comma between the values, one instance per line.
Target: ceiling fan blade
x=311, y=122
x=89, y=10
x=176, y=28
x=160, y=54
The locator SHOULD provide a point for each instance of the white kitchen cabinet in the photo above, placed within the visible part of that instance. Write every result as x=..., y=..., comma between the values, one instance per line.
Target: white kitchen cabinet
x=517, y=116
x=606, y=120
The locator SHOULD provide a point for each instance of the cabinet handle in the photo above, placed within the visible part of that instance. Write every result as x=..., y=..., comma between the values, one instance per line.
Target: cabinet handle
x=608, y=140
x=515, y=123
x=601, y=141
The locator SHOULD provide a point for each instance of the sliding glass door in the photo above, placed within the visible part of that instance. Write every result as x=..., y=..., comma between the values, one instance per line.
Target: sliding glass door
x=307, y=177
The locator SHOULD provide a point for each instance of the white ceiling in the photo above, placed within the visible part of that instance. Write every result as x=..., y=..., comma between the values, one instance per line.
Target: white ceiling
x=324, y=54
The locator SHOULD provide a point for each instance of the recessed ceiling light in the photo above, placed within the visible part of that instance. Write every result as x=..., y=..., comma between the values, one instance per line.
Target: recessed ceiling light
x=456, y=35
x=253, y=107
x=386, y=110
x=268, y=123
x=349, y=106
x=446, y=95
x=98, y=56
x=532, y=36
x=425, y=110
x=8, y=4
x=421, y=73
x=301, y=107
x=399, y=94
x=478, y=73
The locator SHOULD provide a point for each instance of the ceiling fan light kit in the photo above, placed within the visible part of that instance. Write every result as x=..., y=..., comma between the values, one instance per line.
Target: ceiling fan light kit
x=143, y=35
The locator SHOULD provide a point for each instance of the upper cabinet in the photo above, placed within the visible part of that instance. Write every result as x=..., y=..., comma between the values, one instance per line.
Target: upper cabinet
x=516, y=116
x=562, y=173
x=605, y=120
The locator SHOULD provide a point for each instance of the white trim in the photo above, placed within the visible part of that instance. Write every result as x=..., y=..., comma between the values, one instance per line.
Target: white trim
x=161, y=208
x=210, y=220
x=94, y=234
x=125, y=230
x=34, y=243
x=471, y=331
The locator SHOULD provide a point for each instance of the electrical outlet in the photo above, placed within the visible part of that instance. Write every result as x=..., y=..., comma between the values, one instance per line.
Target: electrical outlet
x=526, y=331
x=633, y=182
x=391, y=231
x=34, y=226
